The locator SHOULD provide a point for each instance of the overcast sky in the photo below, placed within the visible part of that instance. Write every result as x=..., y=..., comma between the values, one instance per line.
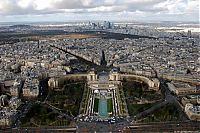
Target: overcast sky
x=114, y=10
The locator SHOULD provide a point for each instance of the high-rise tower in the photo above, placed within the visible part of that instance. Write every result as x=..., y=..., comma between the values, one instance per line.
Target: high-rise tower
x=38, y=43
x=189, y=34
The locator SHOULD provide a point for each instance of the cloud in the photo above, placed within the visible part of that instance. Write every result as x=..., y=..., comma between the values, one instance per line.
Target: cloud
x=148, y=7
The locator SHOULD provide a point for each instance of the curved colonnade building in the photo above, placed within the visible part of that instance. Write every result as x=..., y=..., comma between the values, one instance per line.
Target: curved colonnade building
x=105, y=97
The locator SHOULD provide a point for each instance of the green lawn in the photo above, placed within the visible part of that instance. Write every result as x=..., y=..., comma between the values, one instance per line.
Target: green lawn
x=69, y=99
x=96, y=104
x=134, y=91
x=39, y=115
x=133, y=109
x=167, y=113
x=110, y=105
x=140, y=90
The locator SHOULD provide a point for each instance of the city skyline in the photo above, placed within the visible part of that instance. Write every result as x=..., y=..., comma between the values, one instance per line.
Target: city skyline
x=99, y=66
x=113, y=10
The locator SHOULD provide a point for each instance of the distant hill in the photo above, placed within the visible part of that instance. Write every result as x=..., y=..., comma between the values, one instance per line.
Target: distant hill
x=20, y=26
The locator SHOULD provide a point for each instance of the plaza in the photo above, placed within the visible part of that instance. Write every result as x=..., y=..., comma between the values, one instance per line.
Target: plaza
x=104, y=99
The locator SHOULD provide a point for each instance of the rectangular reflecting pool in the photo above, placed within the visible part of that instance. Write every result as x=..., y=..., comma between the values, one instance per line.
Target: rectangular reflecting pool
x=102, y=109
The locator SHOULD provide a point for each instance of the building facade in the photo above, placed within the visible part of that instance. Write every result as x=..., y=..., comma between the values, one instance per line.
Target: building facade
x=31, y=87
x=192, y=111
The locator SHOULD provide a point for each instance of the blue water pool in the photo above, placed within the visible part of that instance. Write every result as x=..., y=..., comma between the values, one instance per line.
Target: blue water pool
x=103, y=111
